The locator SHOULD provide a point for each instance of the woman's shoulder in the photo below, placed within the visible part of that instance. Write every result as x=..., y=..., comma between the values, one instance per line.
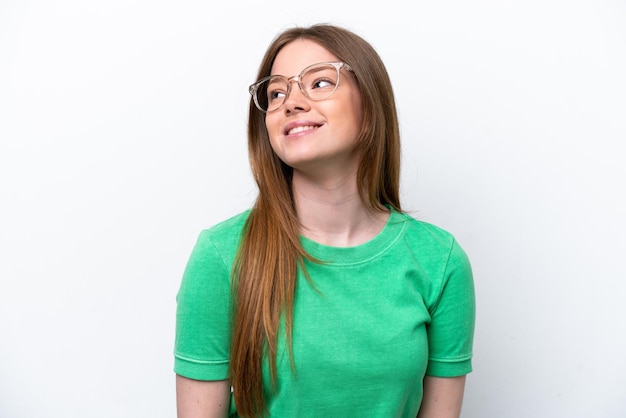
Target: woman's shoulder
x=225, y=233
x=428, y=237
x=426, y=230
x=433, y=242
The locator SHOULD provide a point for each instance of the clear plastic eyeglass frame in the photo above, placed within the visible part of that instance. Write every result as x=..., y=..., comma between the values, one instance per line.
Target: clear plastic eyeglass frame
x=256, y=87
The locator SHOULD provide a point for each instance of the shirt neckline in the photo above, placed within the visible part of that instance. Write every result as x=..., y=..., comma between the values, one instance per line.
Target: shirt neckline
x=361, y=253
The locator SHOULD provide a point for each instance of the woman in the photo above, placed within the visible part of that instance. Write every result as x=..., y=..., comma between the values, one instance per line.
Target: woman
x=325, y=299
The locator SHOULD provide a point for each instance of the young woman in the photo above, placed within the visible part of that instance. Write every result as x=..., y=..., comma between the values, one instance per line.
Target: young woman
x=324, y=299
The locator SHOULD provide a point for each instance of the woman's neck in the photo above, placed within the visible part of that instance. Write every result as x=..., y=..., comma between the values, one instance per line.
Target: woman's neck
x=331, y=211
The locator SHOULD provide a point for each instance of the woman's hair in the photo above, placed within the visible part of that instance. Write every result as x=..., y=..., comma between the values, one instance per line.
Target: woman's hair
x=264, y=275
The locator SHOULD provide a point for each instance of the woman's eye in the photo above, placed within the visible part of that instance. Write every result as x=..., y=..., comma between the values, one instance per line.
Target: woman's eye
x=275, y=94
x=322, y=83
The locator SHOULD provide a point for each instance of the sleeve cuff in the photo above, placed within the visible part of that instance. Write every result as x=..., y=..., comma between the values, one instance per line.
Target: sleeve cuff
x=449, y=368
x=201, y=370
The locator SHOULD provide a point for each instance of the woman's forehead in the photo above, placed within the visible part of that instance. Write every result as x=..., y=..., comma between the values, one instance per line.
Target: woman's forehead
x=299, y=54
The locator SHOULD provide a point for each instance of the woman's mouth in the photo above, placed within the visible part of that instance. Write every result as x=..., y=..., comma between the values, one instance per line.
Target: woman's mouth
x=299, y=129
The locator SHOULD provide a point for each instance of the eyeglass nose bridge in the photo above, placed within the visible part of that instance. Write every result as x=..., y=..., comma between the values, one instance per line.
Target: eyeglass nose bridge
x=297, y=79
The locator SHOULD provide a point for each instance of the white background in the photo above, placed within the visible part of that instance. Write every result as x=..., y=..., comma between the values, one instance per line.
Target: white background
x=122, y=127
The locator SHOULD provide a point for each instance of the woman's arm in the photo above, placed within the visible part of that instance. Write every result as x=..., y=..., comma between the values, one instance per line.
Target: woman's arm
x=202, y=399
x=443, y=397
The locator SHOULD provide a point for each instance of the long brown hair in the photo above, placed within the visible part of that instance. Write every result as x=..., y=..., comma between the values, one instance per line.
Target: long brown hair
x=270, y=253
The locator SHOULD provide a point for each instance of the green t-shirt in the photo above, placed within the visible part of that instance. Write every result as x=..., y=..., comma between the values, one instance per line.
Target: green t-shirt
x=385, y=314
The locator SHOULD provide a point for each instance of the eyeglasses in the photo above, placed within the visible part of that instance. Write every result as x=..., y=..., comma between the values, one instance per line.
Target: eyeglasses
x=317, y=82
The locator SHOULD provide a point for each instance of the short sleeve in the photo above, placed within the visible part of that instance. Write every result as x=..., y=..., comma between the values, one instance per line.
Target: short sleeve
x=201, y=349
x=451, y=330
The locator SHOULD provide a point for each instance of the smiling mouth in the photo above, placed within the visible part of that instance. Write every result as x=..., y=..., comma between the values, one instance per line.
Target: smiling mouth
x=299, y=129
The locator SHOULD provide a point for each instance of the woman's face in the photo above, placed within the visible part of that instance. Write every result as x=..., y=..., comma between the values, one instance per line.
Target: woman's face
x=315, y=136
